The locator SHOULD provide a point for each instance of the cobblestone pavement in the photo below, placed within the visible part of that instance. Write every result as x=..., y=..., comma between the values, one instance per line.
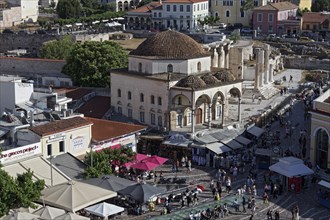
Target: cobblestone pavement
x=306, y=200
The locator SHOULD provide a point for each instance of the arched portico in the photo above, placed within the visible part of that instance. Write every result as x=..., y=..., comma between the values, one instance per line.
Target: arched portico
x=236, y=94
x=322, y=140
x=218, y=106
x=203, y=110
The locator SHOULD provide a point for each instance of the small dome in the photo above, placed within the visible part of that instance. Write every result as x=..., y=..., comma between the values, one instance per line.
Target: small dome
x=191, y=81
x=170, y=45
x=209, y=79
x=225, y=75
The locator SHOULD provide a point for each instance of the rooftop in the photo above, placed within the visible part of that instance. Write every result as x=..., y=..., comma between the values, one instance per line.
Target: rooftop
x=103, y=130
x=60, y=126
x=315, y=17
x=96, y=107
x=280, y=6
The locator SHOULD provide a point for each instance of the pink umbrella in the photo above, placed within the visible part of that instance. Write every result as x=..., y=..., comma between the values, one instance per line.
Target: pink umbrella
x=144, y=166
x=155, y=159
x=138, y=158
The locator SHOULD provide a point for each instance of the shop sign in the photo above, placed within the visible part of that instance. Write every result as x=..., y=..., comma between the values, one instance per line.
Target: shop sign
x=78, y=143
x=18, y=153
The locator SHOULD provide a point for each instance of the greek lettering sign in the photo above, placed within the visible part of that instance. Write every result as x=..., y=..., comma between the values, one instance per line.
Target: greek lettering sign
x=78, y=143
x=12, y=155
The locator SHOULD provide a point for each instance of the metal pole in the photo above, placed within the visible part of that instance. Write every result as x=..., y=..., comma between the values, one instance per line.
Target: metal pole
x=51, y=171
x=91, y=156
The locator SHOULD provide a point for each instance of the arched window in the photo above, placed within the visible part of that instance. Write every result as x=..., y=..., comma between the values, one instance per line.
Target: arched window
x=170, y=68
x=152, y=99
x=141, y=97
x=227, y=13
x=119, y=93
x=159, y=100
x=321, y=144
x=160, y=121
x=129, y=95
x=140, y=67
x=179, y=101
x=199, y=66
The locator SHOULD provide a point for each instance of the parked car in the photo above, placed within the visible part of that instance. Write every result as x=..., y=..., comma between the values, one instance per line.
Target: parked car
x=246, y=30
x=222, y=26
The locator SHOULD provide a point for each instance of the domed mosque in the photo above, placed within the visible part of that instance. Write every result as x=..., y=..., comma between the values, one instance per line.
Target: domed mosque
x=170, y=84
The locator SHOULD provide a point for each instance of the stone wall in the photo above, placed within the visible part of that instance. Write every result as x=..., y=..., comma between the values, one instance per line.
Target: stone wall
x=10, y=17
x=306, y=63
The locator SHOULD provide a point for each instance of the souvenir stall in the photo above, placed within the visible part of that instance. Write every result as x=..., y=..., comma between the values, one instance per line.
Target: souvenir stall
x=175, y=148
x=293, y=172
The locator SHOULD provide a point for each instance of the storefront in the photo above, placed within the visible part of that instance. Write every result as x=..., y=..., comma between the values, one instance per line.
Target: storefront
x=125, y=141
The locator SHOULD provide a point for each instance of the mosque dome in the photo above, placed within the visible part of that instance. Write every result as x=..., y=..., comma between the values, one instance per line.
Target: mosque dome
x=170, y=45
x=191, y=81
x=209, y=79
x=225, y=75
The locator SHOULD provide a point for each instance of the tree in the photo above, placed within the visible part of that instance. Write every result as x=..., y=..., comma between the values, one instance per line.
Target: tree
x=248, y=5
x=301, y=12
x=57, y=49
x=320, y=5
x=110, y=6
x=90, y=4
x=211, y=20
x=234, y=36
x=19, y=192
x=68, y=9
x=144, y=2
x=89, y=63
x=99, y=162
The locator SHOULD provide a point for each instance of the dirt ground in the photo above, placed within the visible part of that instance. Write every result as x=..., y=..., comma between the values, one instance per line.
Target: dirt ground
x=130, y=44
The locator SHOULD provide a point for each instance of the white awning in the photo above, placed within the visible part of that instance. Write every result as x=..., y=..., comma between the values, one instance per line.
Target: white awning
x=41, y=170
x=232, y=144
x=218, y=148
x=324, y=184
x=290, y=167
x=242, y=140
x=256, y=131
x=179, y=143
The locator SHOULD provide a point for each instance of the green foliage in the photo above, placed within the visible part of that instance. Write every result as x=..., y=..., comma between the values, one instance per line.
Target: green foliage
x=57, y=49
x=313, y=77
x=320, y=5
x=99, y=163
x=19, y=192
x=90, y=4
x=234, y=37
x=144, y=2
x=89, y=64
x=68, y=9
x=109, y=7
x=248, y=5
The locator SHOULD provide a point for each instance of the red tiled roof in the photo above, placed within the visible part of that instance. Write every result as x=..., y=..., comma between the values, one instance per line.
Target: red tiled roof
x=78, y=93
x=314, y=17
x=146, y=8
x=103, y=130
x=184, y=1
x=96, y=107
x=60, y=126
x=280, y=6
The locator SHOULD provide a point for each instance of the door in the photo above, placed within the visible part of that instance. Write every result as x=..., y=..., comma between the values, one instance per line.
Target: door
x=199, y=116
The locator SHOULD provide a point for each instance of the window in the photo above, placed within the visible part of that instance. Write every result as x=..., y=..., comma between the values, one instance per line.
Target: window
x=119, y=93
x=129, y=95
x=218, y=111
x=259, y=17
x=194, y=7
x=242, y=14
x=153, y=118
x=189, y=117
x=198, y=7
x=242, y=2
x=120, y=110
x=270, y=17
x=49, y=150
x=61, y=146
x=170, y=68
x=188, y=8
x=307, y=26
x=129, y=113
x=174, y=7
x=168, y=8
x=140, y=67
x=270, y=29
x=152, y=99
x=160, y=14
x=141, y=97
x=181, y=7
x=179, y=101
x=155, y=14
x=256, y=3
x=160, y=121
x=321, y=145
x=179, y=120
x=159, y=100
x=227, y=13
x=199, y=66
x=141, y=116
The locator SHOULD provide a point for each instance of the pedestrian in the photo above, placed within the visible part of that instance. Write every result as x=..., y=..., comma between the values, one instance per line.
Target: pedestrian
x=277, y=215
x=269, y=215
x=188, y=200
x=259, y=99
x=189, y=166
x=243, y=204
x=228, y=184
x=251, y=217
x=253, y=97
x=291, y=77
x=195, y=199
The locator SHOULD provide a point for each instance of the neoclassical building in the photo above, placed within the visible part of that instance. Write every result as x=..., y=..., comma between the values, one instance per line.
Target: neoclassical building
x=170, y=83
x=320, y=131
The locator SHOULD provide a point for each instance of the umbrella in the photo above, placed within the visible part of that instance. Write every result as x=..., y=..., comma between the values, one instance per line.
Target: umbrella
x=144, y=166
x=20, y=216
x=156, y=160
x=104, y=209
x=74, y=195
x=71, y=216
x=141, y=192
x=48, y=212
x=110, y=182
x=138, y=158
x=29, y=209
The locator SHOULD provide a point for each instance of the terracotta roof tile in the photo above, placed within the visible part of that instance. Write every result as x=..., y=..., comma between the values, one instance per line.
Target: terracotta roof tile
x=78, y=93
x=60, y=126
x=96, y=107
x=280, y=6
x=184, y=1
x=103, y=130
x=314, y=17
x=146, y=8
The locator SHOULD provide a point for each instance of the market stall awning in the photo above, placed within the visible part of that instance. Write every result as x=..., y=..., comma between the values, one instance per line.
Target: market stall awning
x=110, y=182
x=256, y=131
x=104, y=209
x=324, y=184
x=232, y=144
x=218, y=148
x=178, y=143
x=243, y=140
x=290, y=167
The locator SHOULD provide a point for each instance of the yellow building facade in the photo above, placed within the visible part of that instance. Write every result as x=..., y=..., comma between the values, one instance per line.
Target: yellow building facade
x=320, y=131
